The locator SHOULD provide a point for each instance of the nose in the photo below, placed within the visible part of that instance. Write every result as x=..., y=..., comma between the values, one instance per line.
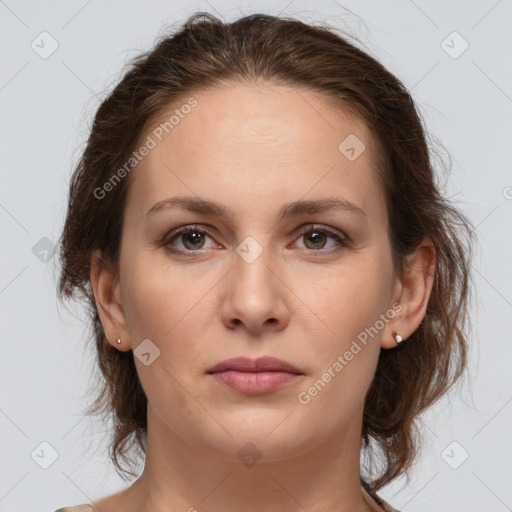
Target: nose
x=254, y=296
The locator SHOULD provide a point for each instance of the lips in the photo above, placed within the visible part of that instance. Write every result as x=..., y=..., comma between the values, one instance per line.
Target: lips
x=262, y=364
x=255, y=376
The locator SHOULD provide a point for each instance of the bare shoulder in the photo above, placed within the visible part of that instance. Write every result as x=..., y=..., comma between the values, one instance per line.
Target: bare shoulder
x=125, y=500
x=111, y=503
x=376, y=503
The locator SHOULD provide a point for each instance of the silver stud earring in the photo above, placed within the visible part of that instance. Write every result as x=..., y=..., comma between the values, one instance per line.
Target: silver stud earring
x=118, y=341
x=398, y=338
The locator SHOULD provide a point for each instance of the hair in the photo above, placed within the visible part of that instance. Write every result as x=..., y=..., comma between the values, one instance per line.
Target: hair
x=262, y=49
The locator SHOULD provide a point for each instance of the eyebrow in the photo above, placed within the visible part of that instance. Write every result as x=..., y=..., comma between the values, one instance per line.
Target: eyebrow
x=195, y=204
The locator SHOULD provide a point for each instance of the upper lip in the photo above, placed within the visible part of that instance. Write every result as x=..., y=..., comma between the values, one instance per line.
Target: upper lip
x=262, y=364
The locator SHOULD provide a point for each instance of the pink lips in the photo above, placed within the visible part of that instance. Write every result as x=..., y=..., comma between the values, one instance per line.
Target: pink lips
x=255, y=376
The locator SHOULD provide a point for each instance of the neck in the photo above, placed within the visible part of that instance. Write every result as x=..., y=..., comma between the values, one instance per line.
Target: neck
x=179, y=476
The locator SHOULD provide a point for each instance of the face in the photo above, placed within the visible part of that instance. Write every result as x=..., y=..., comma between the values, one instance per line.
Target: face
x=261, y=273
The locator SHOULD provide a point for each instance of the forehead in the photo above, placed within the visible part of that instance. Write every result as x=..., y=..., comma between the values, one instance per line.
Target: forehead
x=255, y=139
x=284, y=117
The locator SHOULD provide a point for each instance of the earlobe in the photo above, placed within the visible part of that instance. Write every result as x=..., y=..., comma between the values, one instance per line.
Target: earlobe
x=415, y=287
x=398, y=337
x=105, y=286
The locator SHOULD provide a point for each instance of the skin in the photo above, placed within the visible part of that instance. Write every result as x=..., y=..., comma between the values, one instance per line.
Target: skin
x=253, y=148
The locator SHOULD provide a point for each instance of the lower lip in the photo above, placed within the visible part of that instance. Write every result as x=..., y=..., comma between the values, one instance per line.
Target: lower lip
x=255, y=383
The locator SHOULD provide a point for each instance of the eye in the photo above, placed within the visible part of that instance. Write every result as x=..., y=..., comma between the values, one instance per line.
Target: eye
x=191, y=238
x=315, y=239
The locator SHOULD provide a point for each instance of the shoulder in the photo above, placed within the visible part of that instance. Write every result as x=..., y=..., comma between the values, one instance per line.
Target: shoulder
x=386, y=507
x=77, y=508
x=382, y=504
x=111, y=503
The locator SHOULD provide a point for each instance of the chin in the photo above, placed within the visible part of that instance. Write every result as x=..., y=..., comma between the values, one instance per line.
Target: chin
x=269, y=439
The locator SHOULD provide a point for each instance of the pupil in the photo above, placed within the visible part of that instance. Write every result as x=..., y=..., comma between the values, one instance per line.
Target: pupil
x=193, y=238
x=315, y=237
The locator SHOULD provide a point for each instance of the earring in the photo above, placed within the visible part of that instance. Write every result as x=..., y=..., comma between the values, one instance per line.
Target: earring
x=397, y=336
x=119, y=341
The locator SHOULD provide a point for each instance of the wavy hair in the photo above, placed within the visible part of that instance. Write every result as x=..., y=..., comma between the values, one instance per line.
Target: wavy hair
x=264, y=49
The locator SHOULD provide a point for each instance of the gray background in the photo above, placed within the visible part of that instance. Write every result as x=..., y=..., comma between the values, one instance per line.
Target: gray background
x=46, y=106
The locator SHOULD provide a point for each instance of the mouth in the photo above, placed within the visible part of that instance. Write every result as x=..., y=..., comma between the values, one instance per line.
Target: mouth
x=254, y=376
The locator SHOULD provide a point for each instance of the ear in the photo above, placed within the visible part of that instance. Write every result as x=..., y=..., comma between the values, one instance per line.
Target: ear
x=412, y=291
x=107, y=294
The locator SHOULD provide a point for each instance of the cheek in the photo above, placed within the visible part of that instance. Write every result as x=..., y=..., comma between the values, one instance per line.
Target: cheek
x=167, y=304
x=347, y=346
x=346, y=357
x=162, y=305
x=154, y=296
x=152, y=303
x=348, y=300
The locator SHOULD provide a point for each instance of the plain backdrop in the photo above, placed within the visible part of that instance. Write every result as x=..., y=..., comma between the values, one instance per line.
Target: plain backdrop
x=454, y=56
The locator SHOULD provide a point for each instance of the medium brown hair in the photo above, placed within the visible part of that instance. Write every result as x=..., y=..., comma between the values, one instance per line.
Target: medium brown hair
x=265, y=49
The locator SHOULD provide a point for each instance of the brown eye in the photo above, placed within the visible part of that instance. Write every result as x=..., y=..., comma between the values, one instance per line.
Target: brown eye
x=315, y=240
x=186, y=240
x=193, y=239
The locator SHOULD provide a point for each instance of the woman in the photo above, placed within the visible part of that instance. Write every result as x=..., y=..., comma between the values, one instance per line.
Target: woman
x=276, y=285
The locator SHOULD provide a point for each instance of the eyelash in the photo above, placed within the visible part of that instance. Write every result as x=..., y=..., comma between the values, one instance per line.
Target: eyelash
x=342, y=241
